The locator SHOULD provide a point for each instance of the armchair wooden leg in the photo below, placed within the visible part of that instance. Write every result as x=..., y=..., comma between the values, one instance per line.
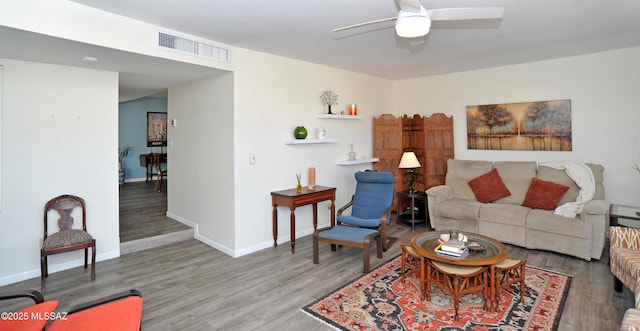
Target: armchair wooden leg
x=93, y=260
x=43, y=271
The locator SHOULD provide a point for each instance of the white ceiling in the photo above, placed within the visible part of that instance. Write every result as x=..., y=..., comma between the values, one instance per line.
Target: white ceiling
x=531, y=30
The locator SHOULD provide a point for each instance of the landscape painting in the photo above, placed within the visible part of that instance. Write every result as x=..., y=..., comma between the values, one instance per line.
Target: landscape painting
x=526, y=126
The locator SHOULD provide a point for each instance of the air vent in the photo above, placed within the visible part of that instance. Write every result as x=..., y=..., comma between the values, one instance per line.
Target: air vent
x=169, y=41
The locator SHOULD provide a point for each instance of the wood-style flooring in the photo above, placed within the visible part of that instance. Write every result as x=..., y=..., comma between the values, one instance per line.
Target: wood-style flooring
x=143, y=212
x=191, y=286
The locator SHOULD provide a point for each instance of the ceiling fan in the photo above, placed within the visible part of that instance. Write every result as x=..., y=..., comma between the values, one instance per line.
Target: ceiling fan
x=414, y=20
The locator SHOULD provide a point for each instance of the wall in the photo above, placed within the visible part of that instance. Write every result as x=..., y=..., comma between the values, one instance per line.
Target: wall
x=200, y=161
x=604, y=101
x=254, y=111
x=272, y=96
x=132, y=131
x=59, y=136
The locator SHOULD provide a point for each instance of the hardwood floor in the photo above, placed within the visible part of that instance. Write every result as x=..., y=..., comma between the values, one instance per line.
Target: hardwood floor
x=191, y=286
x=143, y=212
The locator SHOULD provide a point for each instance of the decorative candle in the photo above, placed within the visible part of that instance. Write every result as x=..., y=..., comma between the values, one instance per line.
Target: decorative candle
x=312, y=179
x=353, y=109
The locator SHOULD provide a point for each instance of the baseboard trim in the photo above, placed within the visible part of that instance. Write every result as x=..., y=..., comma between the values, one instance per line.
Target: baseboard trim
x=53, y=268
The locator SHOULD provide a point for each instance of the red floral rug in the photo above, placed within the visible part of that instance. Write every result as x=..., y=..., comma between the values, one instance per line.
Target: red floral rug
x=379, y=300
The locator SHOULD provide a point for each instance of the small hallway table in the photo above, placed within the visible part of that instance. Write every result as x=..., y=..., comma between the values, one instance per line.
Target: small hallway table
x=290, y=198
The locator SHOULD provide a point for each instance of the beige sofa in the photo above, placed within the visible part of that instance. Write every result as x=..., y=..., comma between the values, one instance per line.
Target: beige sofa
x=454, y=205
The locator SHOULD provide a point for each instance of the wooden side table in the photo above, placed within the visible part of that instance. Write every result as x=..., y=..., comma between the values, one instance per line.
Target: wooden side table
x=621, y=211
x=292, y=199
x=413, y=197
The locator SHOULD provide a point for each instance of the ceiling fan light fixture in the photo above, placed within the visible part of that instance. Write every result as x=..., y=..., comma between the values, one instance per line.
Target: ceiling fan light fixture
x=413, y=25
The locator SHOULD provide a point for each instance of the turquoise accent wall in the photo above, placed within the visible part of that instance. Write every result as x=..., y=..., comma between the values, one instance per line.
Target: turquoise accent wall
x=132, y=131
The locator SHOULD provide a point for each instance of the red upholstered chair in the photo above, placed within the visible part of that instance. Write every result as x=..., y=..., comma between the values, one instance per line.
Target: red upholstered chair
x=22, y=320
x=122, y=312
x=67, y=239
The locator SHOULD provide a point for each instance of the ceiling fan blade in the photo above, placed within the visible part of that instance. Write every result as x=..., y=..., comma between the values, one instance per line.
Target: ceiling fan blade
x=452, y=14
x=365, y=23
x=410, y=5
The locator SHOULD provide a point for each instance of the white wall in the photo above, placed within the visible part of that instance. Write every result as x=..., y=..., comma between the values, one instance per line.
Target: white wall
x=201, y=152
x=273, y=95
x=59, y=136
x=254, y=111
x=603, y=89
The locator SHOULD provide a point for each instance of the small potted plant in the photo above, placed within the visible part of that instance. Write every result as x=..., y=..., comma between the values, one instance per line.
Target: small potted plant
x=122, y=153
x=329, y=98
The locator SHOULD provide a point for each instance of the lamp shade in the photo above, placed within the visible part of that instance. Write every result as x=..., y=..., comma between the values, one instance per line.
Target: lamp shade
x=409, y=161
x=412, y=25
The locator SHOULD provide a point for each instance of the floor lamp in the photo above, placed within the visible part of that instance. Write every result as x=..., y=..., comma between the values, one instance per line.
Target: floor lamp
x=410, y=162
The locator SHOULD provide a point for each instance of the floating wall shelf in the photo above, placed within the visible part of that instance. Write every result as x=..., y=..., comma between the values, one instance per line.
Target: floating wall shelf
x=339, y=117
x=360, y=161
x=311, y=141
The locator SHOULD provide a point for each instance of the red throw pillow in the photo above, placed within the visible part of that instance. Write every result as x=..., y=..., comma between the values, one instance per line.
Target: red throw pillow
x=489, y=187
x=543, y=194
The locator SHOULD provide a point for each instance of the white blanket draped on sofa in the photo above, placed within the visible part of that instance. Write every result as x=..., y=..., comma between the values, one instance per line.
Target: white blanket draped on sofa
x=583, y=176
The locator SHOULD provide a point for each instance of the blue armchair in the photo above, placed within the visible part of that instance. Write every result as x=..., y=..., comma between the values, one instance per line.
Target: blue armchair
x=371, y=204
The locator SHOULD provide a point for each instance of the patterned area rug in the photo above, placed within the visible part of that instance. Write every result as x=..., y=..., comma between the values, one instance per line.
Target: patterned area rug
x=379, y=300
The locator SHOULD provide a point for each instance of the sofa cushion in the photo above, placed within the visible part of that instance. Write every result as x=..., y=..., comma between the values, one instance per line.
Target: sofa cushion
x=598, y=171
x=543, y=194
x=489, y=187
x=560, y=176
x=459, y=209
x=459, y=172
x=503, y=214
x=517, y=177
x=547, y=221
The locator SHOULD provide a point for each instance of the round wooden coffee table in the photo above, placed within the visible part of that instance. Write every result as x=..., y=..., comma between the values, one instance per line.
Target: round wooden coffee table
x=424, y=243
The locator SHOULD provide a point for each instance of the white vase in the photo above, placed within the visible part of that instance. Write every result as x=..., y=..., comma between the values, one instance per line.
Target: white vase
x=322, y=133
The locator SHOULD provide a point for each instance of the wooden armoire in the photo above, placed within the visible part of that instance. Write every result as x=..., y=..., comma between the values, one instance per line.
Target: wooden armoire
x=430, y=138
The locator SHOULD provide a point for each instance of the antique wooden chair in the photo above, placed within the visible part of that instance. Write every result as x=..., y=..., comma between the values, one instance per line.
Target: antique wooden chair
x=157, y=160
x=371, y=204
x=67, y=239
